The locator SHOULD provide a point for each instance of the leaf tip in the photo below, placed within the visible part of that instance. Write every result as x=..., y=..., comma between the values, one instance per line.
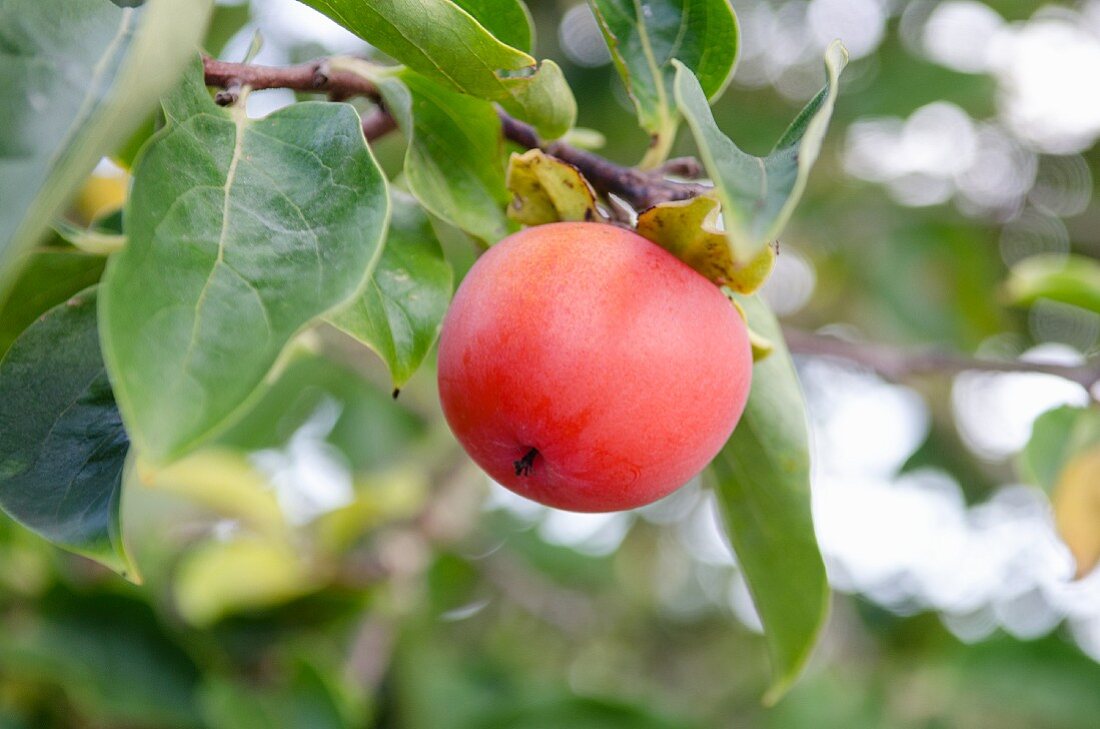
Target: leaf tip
x=783, y=682
x=836, y=56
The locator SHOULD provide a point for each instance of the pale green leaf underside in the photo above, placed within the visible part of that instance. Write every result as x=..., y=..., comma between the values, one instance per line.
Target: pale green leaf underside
x=240, y=232
x=62, y=444
x=399, y=313
x=80, y=76
x=762, y=481
x=445, y=43
x=453, y=163
x=644, y=38
x=758, y=194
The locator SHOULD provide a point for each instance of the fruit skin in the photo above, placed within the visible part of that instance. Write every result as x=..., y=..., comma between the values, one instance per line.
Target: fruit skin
x=622, y=366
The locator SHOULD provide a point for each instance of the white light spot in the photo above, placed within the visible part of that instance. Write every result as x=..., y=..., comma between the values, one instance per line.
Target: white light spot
x=310, y=476
x=958, y=35
x=1000, y=176
x=1046, y=69
x=741, y=603
x=864, y=426
x=791, y=284
x=994, y=412
x=290, y=23
x=860, y=24
x=1063, y=185
x=703, y=536
x=581, y=39
x=595, y=534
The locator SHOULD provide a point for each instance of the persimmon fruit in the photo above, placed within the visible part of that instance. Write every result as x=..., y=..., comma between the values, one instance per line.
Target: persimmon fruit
x=586, y=368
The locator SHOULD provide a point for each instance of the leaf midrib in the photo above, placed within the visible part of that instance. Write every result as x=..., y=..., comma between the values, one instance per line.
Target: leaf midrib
x=240, y=121
x=651, y=61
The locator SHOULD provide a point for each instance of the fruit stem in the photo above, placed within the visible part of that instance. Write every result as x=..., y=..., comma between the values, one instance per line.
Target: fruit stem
x=525, y=464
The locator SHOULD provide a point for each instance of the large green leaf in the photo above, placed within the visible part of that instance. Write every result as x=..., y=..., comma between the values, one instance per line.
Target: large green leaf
x=62, y=444
x=80, y=76
x=49, y=276
x=453, y=164
x=644, y=37
x=1072, y=279
x=401, y=310
x=446, y=43
x=241, y=232
x=758, y=194
x=762, y=480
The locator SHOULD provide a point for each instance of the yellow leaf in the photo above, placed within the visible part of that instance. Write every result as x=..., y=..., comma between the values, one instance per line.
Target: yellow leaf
x=688, y=229
x=246, y=573
x=101, y=195
x=546, y=190
x=224, y=482
x=1077, y=509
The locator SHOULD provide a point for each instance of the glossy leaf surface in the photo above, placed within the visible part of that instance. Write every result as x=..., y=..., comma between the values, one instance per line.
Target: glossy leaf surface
x=447, y=44
x=645, y=36
x=62, y=444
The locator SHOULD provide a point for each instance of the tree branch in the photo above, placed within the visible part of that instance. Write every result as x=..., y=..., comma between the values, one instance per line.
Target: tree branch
x=315, y=77
x=899, y=364
x=640, y=189
x=378, y=124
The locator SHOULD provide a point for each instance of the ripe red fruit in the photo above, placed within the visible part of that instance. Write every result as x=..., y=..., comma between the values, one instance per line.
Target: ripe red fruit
x=586, y=368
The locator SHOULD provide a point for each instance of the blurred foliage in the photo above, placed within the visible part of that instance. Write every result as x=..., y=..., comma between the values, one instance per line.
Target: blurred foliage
x=406, y=603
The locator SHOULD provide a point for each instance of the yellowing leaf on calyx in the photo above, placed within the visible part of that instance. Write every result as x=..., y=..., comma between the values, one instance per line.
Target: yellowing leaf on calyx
x=688, y=229
x=1077, y=509
x=546, y=190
